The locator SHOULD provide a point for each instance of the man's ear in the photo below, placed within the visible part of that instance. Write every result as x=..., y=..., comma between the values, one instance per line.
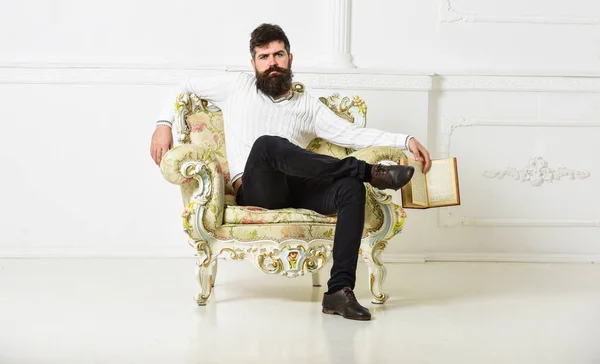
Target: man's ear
x=291, y=59
x=253, y=65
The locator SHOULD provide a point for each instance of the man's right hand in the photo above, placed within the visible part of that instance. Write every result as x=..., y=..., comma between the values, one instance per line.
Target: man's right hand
x=162, y=142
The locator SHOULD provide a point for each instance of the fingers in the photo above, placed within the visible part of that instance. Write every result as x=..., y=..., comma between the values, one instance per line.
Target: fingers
x=156, y=156
x=156, y=152
x=159, y=155
x=162, y=142
x=427, y=166
x=153, y=152
x=427, y=158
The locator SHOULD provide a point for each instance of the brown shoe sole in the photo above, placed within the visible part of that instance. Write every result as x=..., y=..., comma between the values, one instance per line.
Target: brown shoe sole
x=332, y=312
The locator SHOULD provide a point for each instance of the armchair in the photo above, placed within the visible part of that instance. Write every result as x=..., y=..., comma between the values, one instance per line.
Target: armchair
x=288, y=242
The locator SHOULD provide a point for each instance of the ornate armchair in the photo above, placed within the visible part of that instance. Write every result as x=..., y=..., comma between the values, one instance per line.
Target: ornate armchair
x=288, y=242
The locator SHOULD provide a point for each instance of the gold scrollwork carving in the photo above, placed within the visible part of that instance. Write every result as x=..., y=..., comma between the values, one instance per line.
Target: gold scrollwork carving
x=201, y=300
x=234, y=255
x=298, y=87
x=341, y=106
x=376, y=250
x=311, y=265
x=205, y=248
x=378, y=297
x=184, y=101
x=276, y=265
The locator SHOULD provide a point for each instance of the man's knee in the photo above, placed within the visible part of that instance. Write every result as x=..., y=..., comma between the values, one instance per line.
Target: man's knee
x=265, y=142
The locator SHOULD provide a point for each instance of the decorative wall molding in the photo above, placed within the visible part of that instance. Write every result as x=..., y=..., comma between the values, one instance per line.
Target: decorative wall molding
x=157, y=74
x=366, y=81
x=448, y=14
x=97, y=75
x=449, y=217
x=448, y=127
x=537, y=173
x=317, y=78
x=516, y=83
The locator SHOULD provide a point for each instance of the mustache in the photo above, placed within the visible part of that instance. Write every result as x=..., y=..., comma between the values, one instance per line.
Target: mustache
x=276, y=68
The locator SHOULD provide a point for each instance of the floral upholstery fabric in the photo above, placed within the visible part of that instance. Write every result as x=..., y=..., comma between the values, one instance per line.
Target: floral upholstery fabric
x=206, y=130
x=307, y=231
x=277, y=232
x=321, y=146
x=259, y=215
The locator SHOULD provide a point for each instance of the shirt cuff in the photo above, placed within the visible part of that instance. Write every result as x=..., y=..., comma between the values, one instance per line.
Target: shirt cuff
x=164, y=122
x=408, y=138
x=236, y=177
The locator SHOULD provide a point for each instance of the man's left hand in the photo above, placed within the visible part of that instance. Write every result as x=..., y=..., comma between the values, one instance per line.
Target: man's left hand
x=421, y=154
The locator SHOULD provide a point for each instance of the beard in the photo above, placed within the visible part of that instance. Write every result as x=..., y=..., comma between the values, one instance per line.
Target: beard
x=274, y=85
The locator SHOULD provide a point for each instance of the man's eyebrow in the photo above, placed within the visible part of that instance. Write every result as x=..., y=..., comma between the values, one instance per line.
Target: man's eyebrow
x=260, y=54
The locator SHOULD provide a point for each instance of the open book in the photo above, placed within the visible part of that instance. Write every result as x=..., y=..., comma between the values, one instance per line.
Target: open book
x=437, y=188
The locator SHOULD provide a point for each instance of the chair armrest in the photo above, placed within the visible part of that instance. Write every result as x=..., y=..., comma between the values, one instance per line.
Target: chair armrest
x=374, y=155
x=389, y=209
x=192, y=162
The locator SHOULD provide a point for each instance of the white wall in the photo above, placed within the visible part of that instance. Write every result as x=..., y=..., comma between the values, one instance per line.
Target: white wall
x=81, y=85
x=479, y=36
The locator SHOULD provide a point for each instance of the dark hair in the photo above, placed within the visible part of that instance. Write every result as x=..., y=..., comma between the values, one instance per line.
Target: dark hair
x=265, y=34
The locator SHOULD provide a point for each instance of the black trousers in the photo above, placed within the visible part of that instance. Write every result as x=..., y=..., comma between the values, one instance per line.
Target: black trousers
x=279, y=174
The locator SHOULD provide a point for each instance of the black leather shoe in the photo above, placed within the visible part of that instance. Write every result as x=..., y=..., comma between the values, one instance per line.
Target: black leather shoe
x=394, y=176
x=344, y=303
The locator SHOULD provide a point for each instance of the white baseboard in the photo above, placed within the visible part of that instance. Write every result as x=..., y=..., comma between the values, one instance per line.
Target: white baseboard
x=186, y=252
x=492, y=257
x=75, y=253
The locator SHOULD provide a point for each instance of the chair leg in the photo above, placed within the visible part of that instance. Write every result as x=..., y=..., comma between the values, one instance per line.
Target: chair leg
x=204, y=275
x=214, y=272
x=316, y=279
x=377, y=271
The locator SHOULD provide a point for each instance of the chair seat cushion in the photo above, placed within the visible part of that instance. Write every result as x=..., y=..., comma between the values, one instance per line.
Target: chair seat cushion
x=248, y=233
x=258, y=215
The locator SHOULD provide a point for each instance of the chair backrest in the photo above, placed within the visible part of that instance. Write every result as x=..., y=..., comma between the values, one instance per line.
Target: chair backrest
x=202, y=124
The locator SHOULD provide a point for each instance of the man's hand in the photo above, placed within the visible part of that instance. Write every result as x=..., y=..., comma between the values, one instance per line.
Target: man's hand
x=420, y=153
x=162, y=141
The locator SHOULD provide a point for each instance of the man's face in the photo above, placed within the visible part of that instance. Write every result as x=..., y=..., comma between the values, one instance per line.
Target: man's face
x=272, y=65
x=273, y=53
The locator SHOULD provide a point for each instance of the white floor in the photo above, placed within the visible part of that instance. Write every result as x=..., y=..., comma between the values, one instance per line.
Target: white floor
x=141, y=311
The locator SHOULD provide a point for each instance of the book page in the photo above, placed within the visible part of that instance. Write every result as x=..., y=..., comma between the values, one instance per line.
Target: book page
x=418, y=184
x=441, y=182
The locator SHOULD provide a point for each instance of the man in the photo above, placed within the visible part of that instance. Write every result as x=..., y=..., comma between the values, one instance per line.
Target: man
x=267, y=127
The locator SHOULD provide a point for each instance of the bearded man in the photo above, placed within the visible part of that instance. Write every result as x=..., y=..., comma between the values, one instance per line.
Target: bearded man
x=267, y=126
